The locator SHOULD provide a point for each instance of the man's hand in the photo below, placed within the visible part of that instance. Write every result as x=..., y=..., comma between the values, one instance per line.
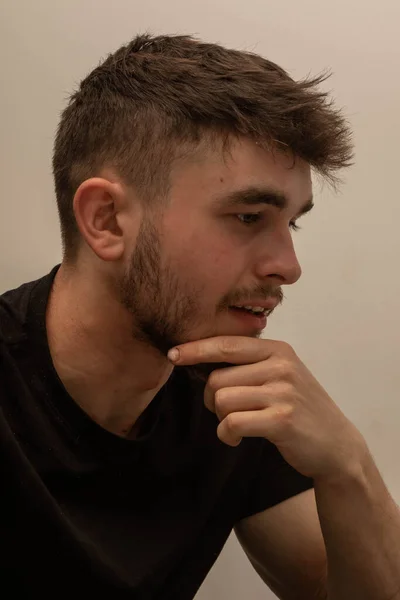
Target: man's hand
x=271, y=394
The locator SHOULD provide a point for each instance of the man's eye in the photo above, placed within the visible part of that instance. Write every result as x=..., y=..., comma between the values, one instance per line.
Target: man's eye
x=249, y=218
x=294, y=226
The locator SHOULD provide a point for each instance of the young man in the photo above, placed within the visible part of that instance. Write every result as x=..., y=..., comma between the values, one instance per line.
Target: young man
x=180, y=169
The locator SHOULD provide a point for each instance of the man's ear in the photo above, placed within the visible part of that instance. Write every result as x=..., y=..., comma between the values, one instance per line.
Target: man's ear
x=98, y=204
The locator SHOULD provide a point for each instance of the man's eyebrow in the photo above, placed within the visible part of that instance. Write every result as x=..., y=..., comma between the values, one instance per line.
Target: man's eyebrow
x=252, y=196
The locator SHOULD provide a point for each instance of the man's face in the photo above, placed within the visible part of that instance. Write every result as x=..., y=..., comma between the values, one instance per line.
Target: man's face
x=224, y=239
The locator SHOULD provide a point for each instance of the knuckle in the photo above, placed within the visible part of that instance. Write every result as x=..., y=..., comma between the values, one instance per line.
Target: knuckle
x=285, y=415
x=285, y=390
x=219, y=400
x=286, y=349
x=280, y=368
x=228, y=346
x=214, y=381
x=230, y=423
x=285, y=369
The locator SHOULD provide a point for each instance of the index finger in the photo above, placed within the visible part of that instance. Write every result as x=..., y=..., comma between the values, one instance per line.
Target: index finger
x=236, y=350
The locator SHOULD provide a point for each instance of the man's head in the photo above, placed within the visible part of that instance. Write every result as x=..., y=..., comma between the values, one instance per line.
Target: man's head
x=158, y=156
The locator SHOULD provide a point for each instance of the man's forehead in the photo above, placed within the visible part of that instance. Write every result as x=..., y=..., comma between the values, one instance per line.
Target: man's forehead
x=264, y=178
x=245, y=171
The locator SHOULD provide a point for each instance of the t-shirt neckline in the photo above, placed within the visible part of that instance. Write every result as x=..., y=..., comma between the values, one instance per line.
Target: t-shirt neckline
x=80, y=427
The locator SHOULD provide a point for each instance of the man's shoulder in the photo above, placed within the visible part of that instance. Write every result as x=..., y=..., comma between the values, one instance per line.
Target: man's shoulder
x=15, y=309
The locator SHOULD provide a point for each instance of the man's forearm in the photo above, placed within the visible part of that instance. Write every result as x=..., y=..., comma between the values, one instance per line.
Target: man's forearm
x=361, y=526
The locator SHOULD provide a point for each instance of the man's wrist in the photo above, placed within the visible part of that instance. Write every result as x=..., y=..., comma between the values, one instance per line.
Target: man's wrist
x=355, y=471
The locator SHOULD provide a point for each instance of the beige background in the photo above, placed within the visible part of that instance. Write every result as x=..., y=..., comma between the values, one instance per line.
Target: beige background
x=343, y=316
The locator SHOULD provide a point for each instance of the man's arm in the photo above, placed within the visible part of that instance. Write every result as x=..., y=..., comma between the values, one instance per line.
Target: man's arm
x=355, y=557
x=361, y=526
x=286, y=548
x=270, y=393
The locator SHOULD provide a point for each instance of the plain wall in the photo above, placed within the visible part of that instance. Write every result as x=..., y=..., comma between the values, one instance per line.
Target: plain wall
x=343, y=316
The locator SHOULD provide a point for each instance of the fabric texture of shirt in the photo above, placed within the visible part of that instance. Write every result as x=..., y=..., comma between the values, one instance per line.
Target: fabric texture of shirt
x=84, y=511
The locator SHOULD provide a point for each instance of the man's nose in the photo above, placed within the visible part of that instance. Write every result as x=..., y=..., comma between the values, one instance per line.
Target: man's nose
x=279, y=261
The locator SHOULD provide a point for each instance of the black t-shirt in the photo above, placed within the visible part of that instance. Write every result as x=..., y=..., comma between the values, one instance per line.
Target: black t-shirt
x=85, y=511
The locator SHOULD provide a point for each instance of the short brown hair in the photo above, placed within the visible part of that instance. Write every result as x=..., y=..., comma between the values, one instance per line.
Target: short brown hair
x=156, y=95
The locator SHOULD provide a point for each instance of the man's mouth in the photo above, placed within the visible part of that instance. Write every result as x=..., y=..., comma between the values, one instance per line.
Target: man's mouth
x=259, y=311
x=255, y=320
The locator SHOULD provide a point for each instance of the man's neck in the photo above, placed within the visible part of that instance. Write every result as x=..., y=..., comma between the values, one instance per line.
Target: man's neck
x=109, y=374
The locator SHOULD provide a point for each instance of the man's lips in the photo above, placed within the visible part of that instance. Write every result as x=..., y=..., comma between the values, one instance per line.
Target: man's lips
x=269, y=305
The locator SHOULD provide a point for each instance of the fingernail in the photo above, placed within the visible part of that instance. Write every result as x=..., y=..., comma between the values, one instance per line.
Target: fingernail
x=174, y=355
